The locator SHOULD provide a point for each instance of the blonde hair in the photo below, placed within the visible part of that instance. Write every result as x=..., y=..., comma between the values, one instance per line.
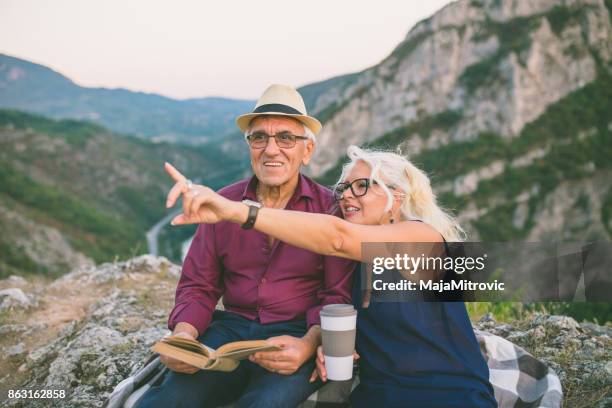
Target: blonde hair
x=419, y=201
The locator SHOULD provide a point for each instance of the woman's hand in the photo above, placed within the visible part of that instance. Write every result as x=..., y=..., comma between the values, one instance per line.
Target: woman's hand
x=200, y=203
x=320, y=371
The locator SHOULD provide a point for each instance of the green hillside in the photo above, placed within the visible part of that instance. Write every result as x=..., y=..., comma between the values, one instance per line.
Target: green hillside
x=102, y=191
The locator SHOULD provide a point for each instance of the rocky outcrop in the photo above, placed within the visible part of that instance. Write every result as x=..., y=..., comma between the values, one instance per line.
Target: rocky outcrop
x=500, y=64
x=120, y=309
x=89, y=329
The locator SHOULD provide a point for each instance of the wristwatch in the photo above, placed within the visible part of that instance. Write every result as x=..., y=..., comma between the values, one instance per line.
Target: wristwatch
x=254, y=207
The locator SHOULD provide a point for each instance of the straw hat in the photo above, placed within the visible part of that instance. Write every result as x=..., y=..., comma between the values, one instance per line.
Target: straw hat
x=282, y=100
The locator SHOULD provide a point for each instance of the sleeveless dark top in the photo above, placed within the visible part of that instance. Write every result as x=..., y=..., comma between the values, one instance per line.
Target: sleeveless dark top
x=418, y=354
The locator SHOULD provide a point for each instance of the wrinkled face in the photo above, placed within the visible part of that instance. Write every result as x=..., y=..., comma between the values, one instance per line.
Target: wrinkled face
x=275, y=166
x=368, y=209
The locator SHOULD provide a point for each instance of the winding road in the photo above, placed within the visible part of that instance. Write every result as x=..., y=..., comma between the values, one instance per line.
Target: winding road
x=152, y=242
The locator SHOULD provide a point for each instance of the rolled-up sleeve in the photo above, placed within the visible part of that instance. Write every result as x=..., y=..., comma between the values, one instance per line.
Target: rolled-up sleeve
x=336, y=287
x=200, y=285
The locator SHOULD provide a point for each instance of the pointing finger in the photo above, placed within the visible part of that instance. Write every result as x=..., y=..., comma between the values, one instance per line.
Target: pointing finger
x=173, y=172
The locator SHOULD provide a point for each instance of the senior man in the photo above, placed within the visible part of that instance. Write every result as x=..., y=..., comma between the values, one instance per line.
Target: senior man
x=271, y=290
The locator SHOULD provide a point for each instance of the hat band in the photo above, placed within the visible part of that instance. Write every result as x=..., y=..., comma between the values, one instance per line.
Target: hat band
x=277, y=107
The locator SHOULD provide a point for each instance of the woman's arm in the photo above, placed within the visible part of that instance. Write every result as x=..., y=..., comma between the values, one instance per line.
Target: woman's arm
x=320, y=233
x=330, y=235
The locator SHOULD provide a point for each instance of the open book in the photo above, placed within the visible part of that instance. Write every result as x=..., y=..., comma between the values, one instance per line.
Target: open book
x=225, y=358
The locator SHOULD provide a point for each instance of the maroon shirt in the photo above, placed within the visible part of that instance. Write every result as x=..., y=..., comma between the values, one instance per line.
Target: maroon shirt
x=274, y=284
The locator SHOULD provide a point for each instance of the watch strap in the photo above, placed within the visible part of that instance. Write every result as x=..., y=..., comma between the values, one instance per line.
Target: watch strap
x=250, y=222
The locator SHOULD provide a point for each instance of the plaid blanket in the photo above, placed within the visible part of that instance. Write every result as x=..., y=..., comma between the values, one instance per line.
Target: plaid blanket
x=518, y=378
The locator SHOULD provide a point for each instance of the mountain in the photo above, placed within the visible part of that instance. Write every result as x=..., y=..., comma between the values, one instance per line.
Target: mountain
x=505, y=103
x=73, y=193
x=35, y=88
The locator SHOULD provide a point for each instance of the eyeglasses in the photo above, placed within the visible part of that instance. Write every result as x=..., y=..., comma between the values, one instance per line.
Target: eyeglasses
x=359, y=187
x=284, y=140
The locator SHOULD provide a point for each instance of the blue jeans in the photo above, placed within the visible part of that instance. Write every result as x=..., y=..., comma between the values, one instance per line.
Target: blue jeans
x=249, y=385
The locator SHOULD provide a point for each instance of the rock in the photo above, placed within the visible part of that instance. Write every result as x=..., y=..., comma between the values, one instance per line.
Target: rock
x=153, y=264
x=605, y=403
x=15, y=351
x=424, y=76
x=596, y=330
x=16, y=280
x=13, y=298
x=580, y=354
x=558, y=323
x=89, y=356
x=12, y=328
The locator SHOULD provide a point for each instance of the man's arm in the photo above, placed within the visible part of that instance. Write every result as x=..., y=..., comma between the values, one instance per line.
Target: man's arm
x=199, y=287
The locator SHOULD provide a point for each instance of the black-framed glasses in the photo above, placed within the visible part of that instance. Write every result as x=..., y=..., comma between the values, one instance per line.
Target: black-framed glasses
x=284, y=140
x=359, y=187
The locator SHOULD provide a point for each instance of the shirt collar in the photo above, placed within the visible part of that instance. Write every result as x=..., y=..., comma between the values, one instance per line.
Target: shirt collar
x=303, y=189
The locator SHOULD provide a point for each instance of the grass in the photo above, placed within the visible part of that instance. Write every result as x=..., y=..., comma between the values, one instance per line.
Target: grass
x=424, y=127
x=560, y=17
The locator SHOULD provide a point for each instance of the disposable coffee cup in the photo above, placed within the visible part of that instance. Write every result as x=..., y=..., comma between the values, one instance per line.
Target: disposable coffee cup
x=338, y=327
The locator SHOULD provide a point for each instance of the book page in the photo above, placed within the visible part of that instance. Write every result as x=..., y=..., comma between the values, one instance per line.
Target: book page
x=187, y=356
x=190, y=345
x=240, y=350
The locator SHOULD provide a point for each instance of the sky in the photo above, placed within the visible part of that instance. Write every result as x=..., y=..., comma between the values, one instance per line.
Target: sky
x=196, y=48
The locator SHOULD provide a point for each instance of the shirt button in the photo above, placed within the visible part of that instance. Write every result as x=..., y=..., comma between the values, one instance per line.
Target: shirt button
x=263, y=280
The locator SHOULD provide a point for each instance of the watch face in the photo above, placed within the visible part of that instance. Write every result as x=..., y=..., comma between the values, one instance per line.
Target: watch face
x=251, y=202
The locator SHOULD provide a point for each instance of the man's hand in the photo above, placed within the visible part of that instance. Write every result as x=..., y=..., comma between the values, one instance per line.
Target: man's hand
x=189, y=332
x=294, y=352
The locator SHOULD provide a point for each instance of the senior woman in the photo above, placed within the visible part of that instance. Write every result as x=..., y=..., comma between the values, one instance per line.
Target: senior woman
x=421, y=354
